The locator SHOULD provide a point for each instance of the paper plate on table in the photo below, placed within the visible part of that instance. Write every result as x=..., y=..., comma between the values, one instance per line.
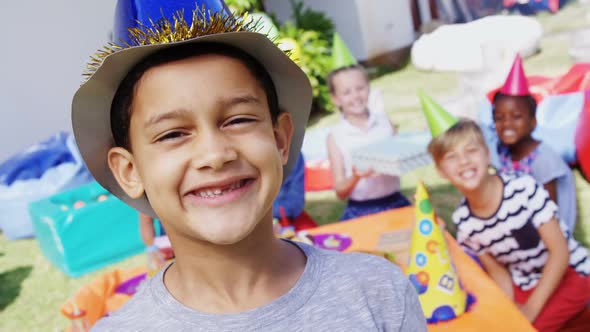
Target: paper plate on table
x=332, y=241
x=130, y=287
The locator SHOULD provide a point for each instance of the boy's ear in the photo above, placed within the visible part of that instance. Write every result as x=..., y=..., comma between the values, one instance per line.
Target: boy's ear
x=283, y=131
x=122, y=165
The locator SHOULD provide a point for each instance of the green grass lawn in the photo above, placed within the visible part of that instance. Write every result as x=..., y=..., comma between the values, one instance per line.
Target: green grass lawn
x=32, y=290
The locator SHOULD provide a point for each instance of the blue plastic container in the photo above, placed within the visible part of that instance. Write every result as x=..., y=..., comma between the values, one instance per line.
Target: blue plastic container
x=84, y=239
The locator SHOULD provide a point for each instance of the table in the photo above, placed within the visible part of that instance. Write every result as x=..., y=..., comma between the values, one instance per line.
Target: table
x=493, y=311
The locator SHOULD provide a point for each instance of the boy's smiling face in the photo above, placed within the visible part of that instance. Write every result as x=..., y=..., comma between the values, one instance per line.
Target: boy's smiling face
x=204, y=148
x=465, y=165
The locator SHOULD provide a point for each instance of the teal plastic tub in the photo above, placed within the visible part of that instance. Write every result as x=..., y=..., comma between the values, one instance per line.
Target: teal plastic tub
x=85, y=229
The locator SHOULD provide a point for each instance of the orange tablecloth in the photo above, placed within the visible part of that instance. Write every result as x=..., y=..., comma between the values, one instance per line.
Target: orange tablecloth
x=493, y=311
x=98, y=297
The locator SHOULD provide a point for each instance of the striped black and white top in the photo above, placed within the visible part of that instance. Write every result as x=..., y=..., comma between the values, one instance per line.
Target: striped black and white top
x=511, y=235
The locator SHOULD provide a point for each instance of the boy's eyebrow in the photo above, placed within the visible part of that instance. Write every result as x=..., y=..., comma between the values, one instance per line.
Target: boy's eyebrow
x=241, y=99
x=180, y=113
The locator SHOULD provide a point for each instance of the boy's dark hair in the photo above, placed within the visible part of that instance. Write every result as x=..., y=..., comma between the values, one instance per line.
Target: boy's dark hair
x=123, y=99
x=333, y=73
x=528, y=98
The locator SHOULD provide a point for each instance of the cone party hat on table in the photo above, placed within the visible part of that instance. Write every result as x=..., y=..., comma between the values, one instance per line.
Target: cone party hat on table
x=341, y=55
x=516, y=83
x=431, y=270
x=439, y=120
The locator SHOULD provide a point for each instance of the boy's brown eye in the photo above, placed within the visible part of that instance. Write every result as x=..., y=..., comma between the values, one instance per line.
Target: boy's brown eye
x=170, y=136
x=238, y=121
x=450, y=156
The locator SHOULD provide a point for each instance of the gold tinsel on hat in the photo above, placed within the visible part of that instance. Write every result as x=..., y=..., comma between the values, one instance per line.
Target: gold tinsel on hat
x=165, y=31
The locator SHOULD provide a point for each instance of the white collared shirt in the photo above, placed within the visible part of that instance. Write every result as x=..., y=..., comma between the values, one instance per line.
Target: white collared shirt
x=349, y=138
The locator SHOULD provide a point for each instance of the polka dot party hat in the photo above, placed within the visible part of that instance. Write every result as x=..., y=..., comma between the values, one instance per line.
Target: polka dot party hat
x=431, y=270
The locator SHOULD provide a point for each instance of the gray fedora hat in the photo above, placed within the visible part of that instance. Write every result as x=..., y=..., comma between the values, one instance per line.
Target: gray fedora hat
x=91, y=104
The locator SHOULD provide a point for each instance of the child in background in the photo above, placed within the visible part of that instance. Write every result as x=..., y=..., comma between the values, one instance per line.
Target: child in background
x=193, y=132
x=147, y=231
x=291, y=197
x=155, y=259
x=514, y=120
x=287, y=209
x=513, y=227
x=360, y=125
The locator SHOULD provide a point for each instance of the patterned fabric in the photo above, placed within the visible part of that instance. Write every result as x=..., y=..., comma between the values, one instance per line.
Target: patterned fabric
x=507, y=165
x=545, y=165
x=356, y=209
x=511, y=235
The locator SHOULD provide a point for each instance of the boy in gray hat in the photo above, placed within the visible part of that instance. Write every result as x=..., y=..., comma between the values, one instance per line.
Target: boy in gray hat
x=184, y=125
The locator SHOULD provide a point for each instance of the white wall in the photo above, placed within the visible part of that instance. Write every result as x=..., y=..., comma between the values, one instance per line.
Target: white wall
x=44, y=47
x=342, y=12
x=369, y=27
x=387, y=25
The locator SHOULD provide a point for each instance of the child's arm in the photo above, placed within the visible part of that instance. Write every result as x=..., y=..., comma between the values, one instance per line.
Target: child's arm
x=342, y=185
x=499, y=273
x=291, y=197
x=553, y=272
x=551, y=188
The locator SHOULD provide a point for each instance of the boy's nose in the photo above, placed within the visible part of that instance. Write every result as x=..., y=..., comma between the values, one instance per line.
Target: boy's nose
x=463, y=159
x=505, y=122
x=213, y=152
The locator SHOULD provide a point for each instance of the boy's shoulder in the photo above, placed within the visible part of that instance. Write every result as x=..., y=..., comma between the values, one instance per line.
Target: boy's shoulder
x=516, y=179
x=373, y=285
x=516, y=186
x=549, y=164
x=357, y=266
x=366, y=288
x=140, y=313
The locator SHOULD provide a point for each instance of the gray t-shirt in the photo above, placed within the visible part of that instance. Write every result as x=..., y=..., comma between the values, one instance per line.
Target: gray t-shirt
x=336, y=292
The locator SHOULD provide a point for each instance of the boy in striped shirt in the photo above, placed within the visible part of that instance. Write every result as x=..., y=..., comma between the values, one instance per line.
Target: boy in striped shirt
x=513, y=227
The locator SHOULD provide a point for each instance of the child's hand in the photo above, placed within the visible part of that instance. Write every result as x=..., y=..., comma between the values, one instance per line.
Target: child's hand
x=363, y=173
x=529, y=310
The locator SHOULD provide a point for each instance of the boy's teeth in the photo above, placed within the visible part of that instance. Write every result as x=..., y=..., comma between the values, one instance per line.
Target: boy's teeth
x=208, y=193
x=467, y=174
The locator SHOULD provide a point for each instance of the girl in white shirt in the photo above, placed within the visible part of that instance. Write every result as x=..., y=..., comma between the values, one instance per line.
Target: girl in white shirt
x=360, y=125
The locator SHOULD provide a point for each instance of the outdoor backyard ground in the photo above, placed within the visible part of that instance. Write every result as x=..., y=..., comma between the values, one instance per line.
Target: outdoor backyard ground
x=32, y=290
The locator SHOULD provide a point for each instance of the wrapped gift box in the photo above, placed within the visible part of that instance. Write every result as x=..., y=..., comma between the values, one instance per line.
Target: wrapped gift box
x=86, y=228
x=395, y=155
